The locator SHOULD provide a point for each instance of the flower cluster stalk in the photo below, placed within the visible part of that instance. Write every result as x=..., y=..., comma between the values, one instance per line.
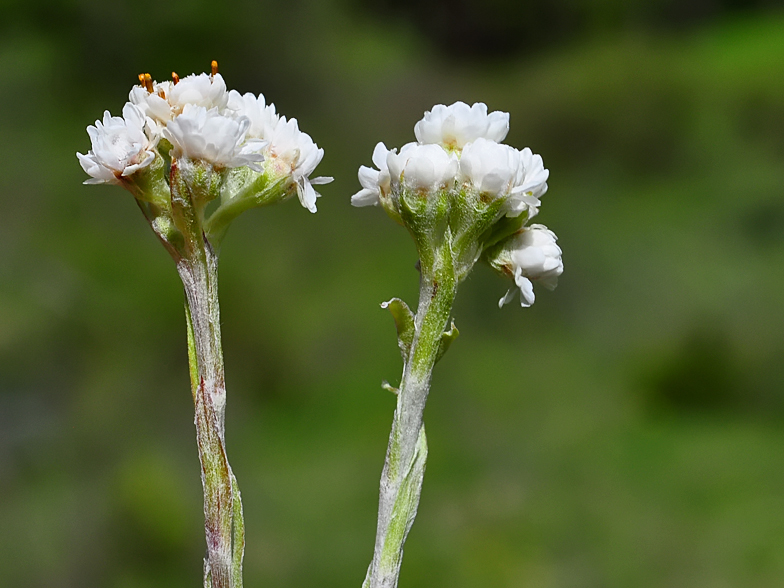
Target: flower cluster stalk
x=224, y=526
x=197, y=266
x=404, y=467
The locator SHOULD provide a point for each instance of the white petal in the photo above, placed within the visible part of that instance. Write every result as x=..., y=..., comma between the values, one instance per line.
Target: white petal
x=365, y=197
x=507, y=298
x=527, y=296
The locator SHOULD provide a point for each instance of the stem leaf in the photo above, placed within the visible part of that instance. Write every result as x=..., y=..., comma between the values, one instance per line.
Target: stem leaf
x=404, y=323
x=446, y=340
x=238, y=546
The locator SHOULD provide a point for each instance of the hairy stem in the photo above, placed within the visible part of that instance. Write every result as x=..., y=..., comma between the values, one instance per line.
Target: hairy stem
x=404, y=467
x=222, y=509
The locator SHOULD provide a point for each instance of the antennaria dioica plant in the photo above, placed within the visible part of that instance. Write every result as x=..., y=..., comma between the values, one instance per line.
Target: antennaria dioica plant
x=463, y=195
x=179, y=146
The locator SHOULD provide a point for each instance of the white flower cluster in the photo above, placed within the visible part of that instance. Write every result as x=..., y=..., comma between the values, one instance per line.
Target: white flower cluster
x=203, y=121
x=459, y=145
x=458, y=148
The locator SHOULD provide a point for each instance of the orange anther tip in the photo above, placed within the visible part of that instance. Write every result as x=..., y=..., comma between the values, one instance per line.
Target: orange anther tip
x=214, y=66
x=175, y=77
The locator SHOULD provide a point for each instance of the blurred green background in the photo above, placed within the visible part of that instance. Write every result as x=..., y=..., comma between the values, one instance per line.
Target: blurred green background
x=627, y=430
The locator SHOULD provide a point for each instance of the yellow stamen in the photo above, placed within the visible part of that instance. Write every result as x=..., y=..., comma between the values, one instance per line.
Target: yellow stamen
x=148, y=82
x=176, y=78
x=141, y=80
x=214, y=66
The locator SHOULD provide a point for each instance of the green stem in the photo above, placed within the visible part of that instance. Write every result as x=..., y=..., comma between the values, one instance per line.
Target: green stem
x=222, y=509
x=176, y=216
x=401, y=479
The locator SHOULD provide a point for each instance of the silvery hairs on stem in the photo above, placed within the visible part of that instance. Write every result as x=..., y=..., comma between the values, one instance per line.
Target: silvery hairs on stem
x=463, y=195
x=180, y=145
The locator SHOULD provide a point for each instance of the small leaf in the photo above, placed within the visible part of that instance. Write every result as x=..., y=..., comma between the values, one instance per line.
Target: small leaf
x=404, y=323
x=446, y=340
x=389, y=387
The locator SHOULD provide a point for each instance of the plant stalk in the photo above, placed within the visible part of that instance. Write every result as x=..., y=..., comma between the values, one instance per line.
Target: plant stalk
x=404, y=467
x=224, y=527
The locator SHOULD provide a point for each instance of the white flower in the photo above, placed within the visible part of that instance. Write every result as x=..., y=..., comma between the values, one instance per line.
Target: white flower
x=153, y=104
x=422, y=167
x=204, y=134
x=203, y=89
x=168, y=99
x=292, y=152
x=531, y=185
x=120, y=147
x=374, y=182
x=534, y=256
x=491, y=167
x=455, y=125
x=262, y=116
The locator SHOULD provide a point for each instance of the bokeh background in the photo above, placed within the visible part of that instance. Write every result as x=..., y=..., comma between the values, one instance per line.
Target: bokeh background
x=627, y=430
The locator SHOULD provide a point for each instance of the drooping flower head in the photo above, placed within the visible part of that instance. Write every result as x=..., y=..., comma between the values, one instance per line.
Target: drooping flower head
x=532, y=255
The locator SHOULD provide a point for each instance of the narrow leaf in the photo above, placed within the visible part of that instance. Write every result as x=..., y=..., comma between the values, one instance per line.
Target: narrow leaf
x=446, y=340
x=238, y=546
x=389, y=387
x=404, y=323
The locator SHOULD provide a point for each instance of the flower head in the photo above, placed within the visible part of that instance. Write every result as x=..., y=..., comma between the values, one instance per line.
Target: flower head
x=152, y=99
x=457, y=124
x=120, y=147
x=375, y=182
x=262, y=116
x=198, y=133
x=163, y=101
x=531, y=254
x=490, y=167
x=208, y=91
x=422, y=167
x=290, y=152
x=531, y=185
